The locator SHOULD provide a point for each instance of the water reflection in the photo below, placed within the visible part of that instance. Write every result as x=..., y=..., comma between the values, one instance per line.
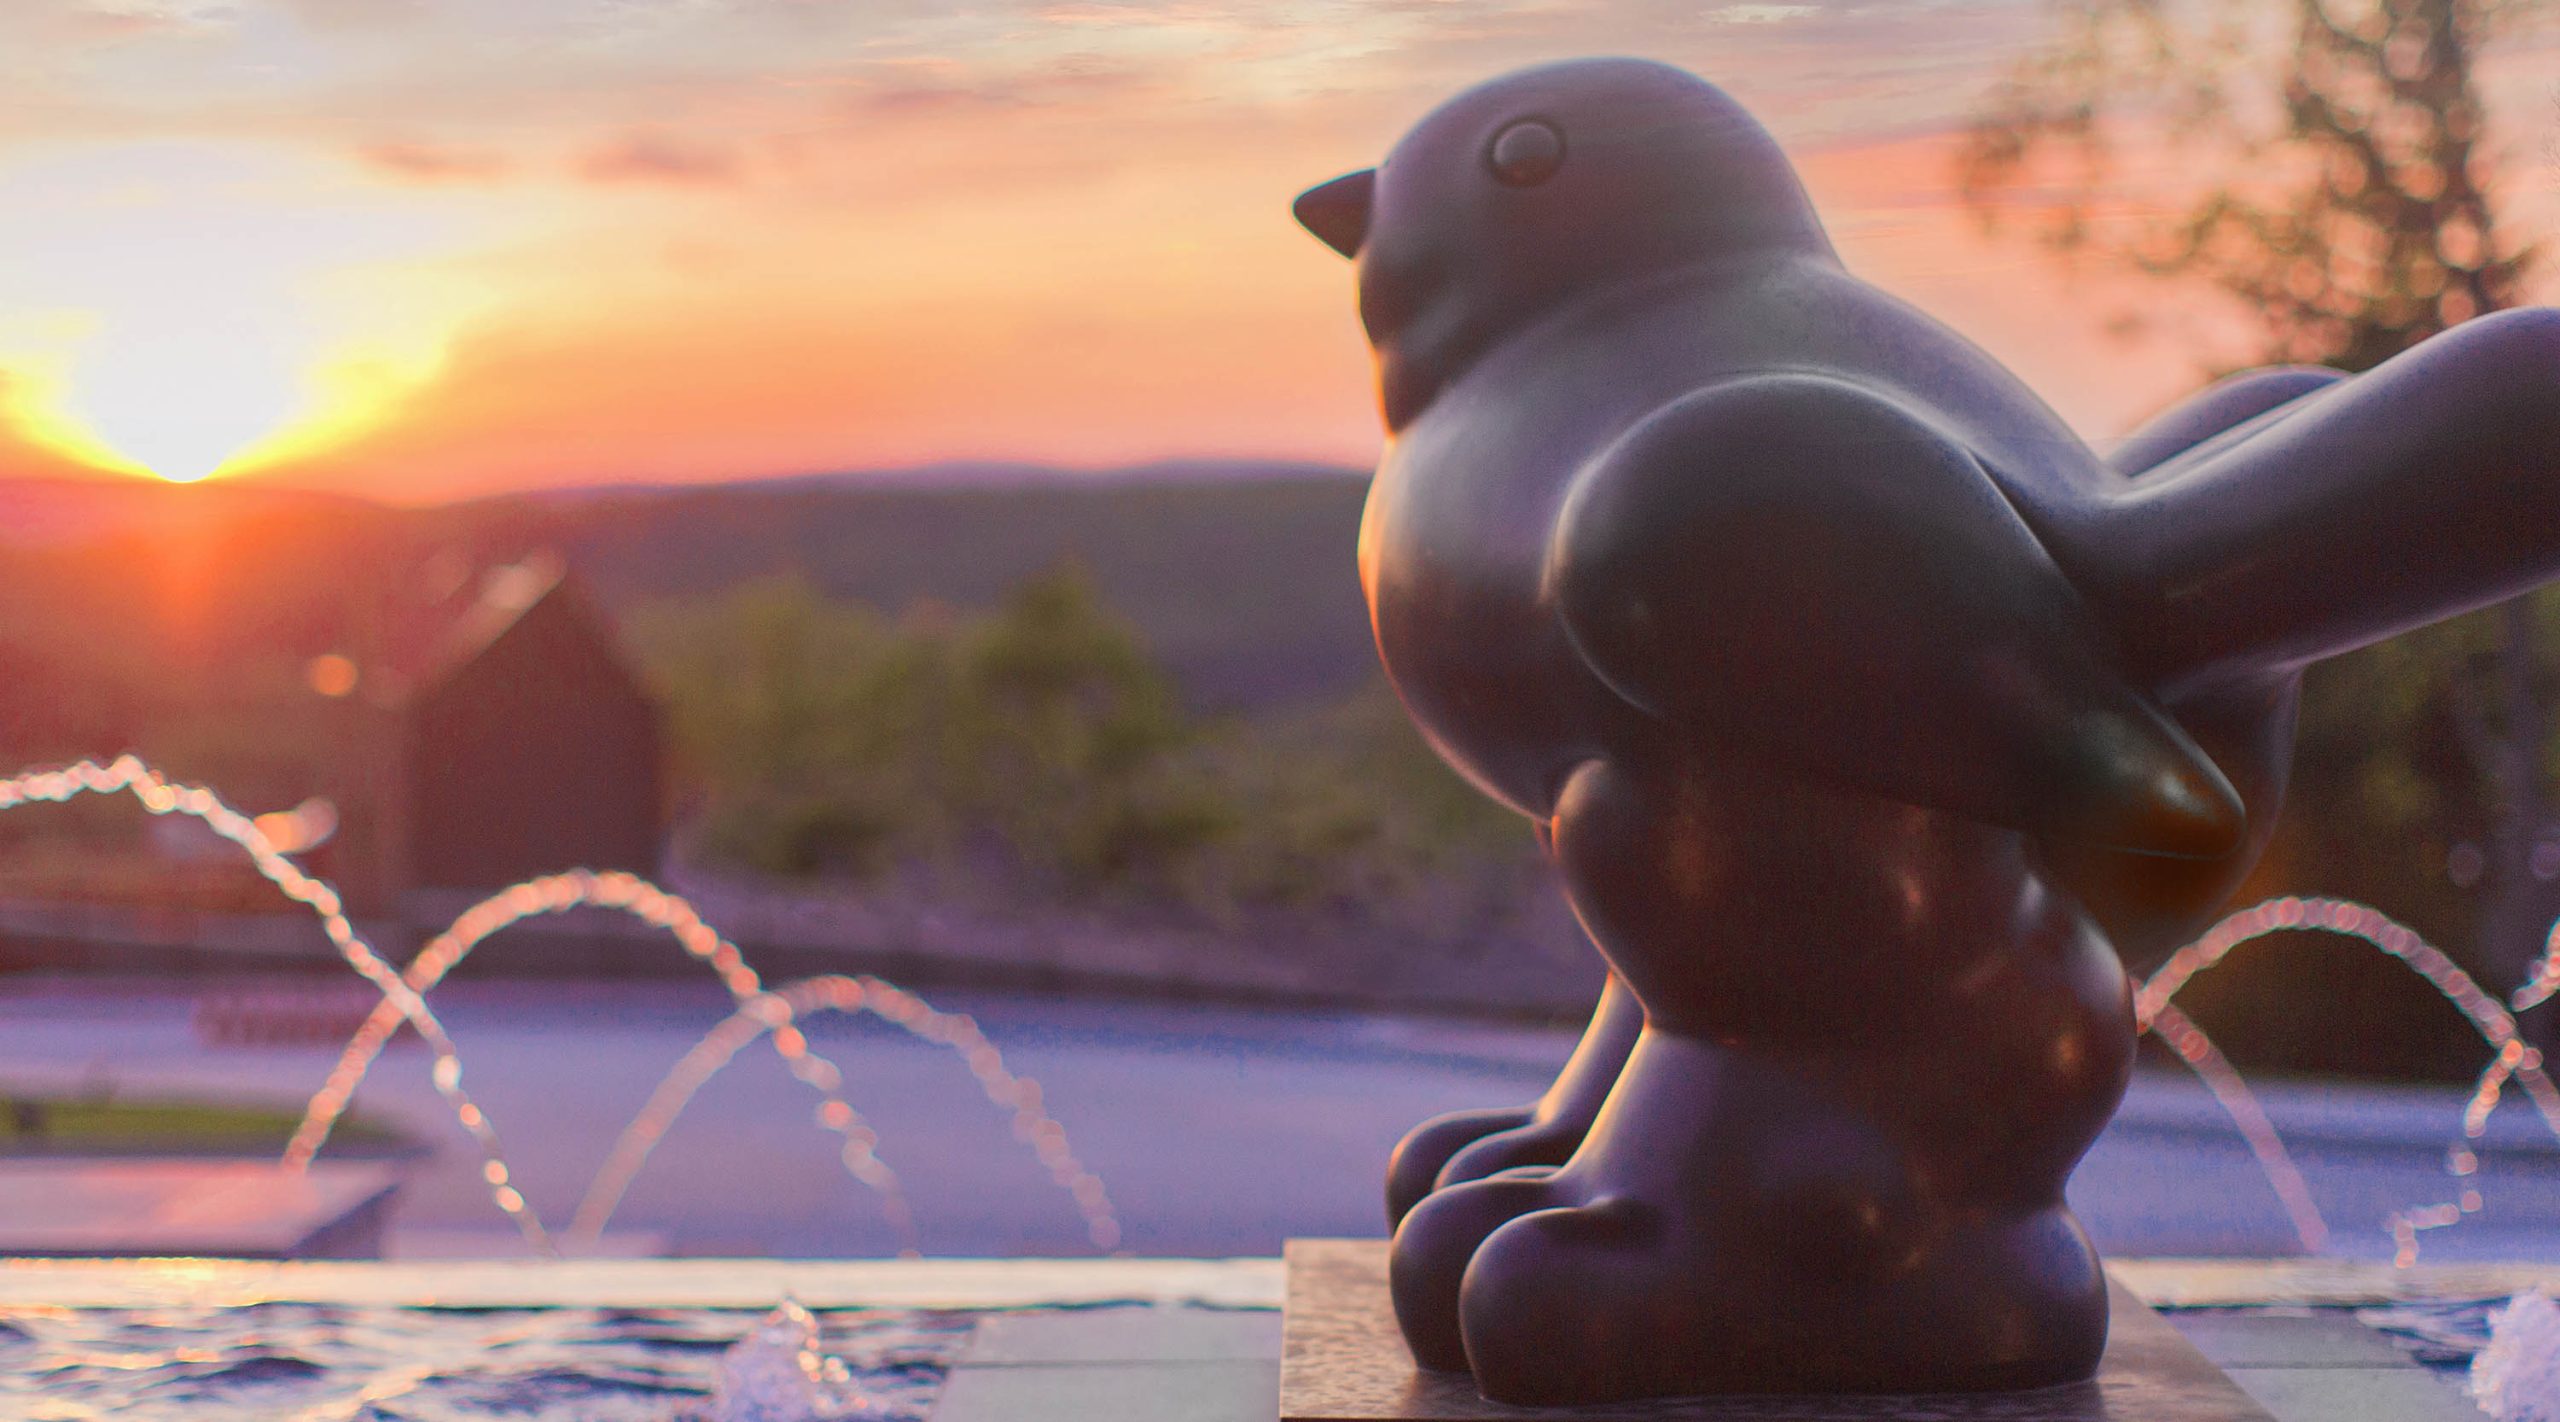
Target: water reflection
x=316, y=1363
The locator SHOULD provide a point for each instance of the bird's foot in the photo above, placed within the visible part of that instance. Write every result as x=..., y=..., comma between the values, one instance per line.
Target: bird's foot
x=1470, y=1145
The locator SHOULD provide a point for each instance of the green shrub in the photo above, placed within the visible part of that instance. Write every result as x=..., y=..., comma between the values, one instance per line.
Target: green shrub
x=820, y=737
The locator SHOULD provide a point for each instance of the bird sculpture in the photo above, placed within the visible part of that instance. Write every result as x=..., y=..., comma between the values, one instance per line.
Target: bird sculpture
x=1872, y=722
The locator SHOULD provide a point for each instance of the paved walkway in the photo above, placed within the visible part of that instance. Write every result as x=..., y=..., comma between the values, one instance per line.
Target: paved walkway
x=1220, y=1131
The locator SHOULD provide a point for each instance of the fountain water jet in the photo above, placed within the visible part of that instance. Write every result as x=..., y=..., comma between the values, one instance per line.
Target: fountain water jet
x=2238, y=1102
x=763, y=1012
x=759, y=1013
x=2495, y=1022
x=2543, y=978
x=127, y=774
x=631, y=894
x=838, y=993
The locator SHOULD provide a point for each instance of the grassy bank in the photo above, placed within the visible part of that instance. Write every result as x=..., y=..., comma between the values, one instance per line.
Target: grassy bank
x=58, y=1125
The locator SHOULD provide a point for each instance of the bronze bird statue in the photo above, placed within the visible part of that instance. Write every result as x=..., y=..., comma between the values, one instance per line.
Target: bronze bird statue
x=1872, y=721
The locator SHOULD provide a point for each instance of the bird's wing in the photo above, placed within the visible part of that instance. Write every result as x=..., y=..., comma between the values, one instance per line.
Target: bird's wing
x=1807, y=571
x=2424, y=487
x=2215, y=412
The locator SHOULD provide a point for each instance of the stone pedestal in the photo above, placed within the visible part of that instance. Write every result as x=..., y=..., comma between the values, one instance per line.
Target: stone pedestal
x=95, y=1207
x=1343, y=1360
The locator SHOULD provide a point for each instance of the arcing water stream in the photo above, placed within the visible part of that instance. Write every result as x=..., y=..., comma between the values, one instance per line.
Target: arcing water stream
x=760, y=1012
x=772, y=1013
x=2495, y=1022
x=128, y=775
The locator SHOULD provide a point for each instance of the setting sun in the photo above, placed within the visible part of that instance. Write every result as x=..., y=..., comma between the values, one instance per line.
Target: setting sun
x=428, y=251
x=192, y=309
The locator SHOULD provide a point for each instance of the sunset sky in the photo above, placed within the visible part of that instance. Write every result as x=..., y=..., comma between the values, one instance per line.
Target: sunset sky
x=421, y=249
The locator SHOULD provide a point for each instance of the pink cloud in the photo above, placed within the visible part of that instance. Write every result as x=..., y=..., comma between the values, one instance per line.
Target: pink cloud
x=432, y=163
x=651, y=156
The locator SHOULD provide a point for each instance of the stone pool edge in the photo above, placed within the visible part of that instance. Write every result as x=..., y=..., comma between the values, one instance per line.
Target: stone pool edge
x=642, y=1283
x=1253, y=1283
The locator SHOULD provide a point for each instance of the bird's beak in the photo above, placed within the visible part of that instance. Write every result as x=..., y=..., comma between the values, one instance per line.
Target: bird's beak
x=1338, y=211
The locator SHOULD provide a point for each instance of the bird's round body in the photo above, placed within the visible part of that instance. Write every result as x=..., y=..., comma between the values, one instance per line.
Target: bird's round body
x=1876, y=1032
x=1859, y=704
x=1463, y=512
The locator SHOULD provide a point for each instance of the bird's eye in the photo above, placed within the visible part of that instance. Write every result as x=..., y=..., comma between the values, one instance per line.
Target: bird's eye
x=1526, y=154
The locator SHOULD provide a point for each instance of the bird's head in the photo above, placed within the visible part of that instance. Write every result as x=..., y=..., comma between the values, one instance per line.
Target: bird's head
x=1530, y=189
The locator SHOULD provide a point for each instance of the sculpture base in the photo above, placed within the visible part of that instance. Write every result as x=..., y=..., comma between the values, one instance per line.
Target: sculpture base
x=1343, y=1360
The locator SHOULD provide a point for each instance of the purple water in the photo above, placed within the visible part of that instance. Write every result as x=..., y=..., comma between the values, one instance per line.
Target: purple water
x=372, y=1364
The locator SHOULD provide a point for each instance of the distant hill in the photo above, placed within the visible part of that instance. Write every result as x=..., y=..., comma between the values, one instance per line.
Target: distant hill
x=1243, y=581
x=1241, y=575
x=979, y=474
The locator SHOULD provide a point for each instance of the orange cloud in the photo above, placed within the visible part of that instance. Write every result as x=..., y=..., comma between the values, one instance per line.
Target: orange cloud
x=961, y=338
x=659, y=157
x=430, y=163
x=697, y=239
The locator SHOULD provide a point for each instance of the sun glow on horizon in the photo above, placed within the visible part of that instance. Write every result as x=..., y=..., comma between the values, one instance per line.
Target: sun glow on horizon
x=195, y=309
x=430, y=251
